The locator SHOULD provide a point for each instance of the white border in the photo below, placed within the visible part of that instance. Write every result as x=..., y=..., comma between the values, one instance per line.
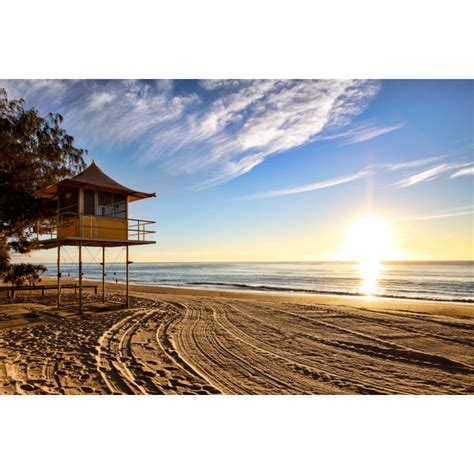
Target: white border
x=243, y=39
x=240, y=434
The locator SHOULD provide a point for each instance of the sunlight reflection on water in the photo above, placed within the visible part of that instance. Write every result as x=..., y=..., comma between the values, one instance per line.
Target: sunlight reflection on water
x=369, y=273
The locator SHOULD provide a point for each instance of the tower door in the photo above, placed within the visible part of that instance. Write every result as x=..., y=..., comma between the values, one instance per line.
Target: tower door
x=89, y=220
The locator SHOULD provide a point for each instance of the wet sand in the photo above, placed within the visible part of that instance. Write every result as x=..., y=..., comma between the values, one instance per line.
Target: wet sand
x=183, y=341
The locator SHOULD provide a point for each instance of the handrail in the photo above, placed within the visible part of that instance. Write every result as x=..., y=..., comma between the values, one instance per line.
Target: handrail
x=136, y=229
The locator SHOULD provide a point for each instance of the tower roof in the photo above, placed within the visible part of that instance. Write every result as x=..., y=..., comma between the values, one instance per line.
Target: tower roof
x=93, y=177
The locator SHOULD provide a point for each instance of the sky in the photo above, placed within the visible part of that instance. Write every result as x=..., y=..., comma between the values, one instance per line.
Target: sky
x=279, y=170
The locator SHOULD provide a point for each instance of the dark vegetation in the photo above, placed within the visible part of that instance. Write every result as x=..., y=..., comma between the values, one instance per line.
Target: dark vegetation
x=34, y=153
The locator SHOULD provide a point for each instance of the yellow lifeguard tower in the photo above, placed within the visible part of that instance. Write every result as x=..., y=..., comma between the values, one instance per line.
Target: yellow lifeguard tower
x=92, y=210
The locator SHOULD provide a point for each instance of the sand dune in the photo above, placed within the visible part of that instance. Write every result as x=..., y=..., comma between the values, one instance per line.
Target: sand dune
x=180, y=342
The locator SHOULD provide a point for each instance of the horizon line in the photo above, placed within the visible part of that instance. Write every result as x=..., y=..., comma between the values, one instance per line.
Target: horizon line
x=290, y=261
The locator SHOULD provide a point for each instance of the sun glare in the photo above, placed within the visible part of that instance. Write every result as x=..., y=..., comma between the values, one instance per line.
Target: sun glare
x=370, y=242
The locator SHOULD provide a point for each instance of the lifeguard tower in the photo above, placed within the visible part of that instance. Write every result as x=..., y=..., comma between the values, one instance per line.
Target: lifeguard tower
x=92, y=211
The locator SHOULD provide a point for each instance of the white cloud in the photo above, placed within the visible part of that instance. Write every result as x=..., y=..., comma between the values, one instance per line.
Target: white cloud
x=104, y=112
x=252, y=119
x=457, y=211
x=365, y=132
x=427, y=175
x=214, y=84
x=234, y=169
x=464, y=172
x=412, y=163
x=219, y=131
x=312, y=186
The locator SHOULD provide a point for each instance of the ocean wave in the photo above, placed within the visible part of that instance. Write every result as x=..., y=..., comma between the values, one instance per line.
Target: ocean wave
x=266, y=288
x=415, y=282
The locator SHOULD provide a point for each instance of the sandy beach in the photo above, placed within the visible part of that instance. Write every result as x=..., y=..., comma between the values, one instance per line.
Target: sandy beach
x=184, y=341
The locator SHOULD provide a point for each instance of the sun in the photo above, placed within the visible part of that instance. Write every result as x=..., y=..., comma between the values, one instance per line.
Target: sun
x=370, y=242
x=370, y=239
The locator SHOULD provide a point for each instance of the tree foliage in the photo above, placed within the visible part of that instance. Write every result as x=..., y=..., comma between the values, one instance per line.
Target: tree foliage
x=4, y=257
x=34, y=153
x=24, y=274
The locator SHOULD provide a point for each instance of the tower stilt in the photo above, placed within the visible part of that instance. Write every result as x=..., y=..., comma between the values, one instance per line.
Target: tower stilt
x=127, y=300
x=59, y=276
x=80, y=277
x=103, y=274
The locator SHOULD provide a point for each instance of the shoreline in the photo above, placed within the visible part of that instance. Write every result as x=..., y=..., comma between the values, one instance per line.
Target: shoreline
x=371, y=302
x=396, y=284
x=301, y=292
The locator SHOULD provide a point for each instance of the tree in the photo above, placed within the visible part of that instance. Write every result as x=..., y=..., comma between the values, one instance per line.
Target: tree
x=4, y=257
x=34, y=152
x=24, y=273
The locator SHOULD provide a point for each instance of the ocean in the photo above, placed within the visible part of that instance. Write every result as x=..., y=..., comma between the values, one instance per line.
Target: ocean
x=444, y=281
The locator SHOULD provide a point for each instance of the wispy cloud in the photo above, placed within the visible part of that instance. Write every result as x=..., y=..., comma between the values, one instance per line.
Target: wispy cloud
x=428, y=175
x=412, y=163
x=464, y=172
x=248, y=121
x=220, y=130
x=365, y=132
x=442, y=214
x=105, y=112
x=312, y=186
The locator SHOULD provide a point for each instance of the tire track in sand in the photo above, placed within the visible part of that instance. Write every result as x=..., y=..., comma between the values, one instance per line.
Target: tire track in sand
x=235, y=366
x=336, y=382
x=396, y=382
x=188, y=344
x=133, y=358
x=113, y=371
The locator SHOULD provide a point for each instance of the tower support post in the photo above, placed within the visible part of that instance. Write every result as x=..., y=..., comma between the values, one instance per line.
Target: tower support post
x=103, y=274
x=59, y=276
x=127, y=300
x=80, y=277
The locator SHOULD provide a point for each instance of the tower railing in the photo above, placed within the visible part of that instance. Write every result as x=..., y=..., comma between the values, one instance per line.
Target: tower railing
x=76, y=225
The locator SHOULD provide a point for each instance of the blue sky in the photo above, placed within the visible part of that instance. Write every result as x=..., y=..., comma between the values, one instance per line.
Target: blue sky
x=279, y=170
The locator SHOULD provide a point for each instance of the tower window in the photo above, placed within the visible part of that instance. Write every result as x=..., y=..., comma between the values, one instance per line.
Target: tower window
x=89, y=202
x=112, y=205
